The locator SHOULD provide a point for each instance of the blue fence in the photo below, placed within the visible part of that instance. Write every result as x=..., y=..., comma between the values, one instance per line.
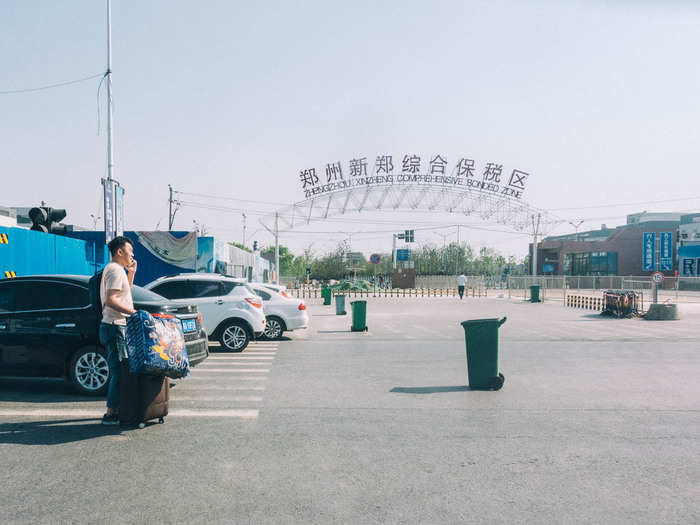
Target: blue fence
x=26, y=252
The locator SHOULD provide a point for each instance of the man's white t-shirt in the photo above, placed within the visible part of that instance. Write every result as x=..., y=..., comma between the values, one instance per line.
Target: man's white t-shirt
x=114, y=278
x=461, y=280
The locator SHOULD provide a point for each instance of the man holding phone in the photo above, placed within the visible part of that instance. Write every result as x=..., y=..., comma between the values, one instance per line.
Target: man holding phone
x=117, y=305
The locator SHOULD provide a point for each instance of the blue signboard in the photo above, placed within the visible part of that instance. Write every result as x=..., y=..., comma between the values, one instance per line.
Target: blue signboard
x=648, y=251
x=666, y=255
x=402, y=255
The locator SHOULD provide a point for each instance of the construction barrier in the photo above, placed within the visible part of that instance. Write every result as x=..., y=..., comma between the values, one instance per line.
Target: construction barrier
x=585, y=302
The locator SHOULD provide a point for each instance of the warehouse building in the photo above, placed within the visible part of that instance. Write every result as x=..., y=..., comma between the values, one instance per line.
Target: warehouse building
x=646, y=243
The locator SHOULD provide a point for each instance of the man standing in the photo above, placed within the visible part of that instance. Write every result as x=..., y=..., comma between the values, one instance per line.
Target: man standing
x=461, y=282
x=117, y=305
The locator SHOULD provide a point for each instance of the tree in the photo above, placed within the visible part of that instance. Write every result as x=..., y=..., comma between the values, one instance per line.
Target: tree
x=239, y=245
x=286, y=258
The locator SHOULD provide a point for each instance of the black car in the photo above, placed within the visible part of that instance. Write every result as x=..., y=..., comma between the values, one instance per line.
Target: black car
x=48, y=328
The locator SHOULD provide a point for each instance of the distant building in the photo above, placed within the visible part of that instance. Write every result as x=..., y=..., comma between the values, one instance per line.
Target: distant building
x=614, y=251
x=689, y=246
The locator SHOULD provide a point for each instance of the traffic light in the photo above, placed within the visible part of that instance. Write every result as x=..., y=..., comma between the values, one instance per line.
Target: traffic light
x=255, y=246
x=47, y=220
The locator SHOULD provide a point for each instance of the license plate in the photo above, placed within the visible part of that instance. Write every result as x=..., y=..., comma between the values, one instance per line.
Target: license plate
x=189, y=325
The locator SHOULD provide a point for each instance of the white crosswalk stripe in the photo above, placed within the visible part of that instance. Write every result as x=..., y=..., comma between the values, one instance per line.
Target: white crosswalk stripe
x=225, y=385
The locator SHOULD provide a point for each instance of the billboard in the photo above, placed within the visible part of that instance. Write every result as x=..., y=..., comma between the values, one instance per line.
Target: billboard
x=649, y=251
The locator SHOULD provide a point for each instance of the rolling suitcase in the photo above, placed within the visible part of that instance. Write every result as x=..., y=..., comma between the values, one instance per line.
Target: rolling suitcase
x=142, y=398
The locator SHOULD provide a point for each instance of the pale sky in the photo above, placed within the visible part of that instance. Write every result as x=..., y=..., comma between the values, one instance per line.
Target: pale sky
x=598, y=101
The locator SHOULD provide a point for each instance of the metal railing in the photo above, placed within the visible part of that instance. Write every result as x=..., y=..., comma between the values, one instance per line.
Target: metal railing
x=678, y=289
x=315, y=293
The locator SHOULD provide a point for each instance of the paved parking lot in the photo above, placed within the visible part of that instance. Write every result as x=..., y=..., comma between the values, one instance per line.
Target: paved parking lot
x=598, y=421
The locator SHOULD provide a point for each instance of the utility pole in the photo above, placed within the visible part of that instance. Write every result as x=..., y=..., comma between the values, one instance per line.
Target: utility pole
x=108, y=185
x=535, y=230
x=459, y=252
x=277, y=249
x=170, y=209
x=108, y=74
x=244, y=226
x=393, y=251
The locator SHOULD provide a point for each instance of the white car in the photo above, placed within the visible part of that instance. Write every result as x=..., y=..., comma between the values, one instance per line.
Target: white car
x=283, y=313
x=231, y=312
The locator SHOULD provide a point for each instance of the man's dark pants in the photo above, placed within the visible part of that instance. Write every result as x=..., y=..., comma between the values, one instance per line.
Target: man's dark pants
x=460, y=289
x=113, y=338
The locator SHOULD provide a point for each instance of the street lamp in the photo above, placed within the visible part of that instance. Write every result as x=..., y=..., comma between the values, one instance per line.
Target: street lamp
x=444, y=251
x=576, y=225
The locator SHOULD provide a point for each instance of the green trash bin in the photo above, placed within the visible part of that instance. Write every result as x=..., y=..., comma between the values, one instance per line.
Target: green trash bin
x=326, y=293
x=340, y=305
x=535, y=293
x=359, y=316
x=482, y=353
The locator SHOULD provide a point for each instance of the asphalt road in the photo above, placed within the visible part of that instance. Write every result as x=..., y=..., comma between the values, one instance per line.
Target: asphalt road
x=598, y=422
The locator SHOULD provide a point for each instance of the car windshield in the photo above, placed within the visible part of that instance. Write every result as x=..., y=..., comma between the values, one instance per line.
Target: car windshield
x=141, y=295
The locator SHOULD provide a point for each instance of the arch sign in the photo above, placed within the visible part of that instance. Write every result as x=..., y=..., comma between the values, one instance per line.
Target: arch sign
x=432, y=170
x=412, y=183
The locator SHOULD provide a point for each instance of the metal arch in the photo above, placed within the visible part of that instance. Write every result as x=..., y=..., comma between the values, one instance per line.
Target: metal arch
x=509, y=212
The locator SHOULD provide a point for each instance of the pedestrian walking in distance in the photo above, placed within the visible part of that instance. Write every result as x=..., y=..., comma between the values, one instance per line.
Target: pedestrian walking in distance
x=117, y=305
x=461, y=282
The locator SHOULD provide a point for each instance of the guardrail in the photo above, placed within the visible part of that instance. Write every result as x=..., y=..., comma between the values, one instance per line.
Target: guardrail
x=585, y=302
x=315, y=293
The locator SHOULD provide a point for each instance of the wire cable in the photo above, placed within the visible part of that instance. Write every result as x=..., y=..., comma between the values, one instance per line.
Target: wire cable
x=50, y=86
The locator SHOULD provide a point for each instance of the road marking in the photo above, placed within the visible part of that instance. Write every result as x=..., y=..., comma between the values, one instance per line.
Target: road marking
x=234, y=364
x=251, y=399
x=242, y=357
x=229, y=370
x=238, y=378
x=234, y=387
x=97, y=414
x=233, y=413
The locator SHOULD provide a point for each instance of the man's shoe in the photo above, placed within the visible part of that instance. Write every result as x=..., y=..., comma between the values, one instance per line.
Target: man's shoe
x=110, y=419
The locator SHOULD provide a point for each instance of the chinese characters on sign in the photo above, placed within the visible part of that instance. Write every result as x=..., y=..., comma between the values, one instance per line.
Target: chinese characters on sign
x=666, y=255
x=113, y=209
x=648, y=251
x=434, y=170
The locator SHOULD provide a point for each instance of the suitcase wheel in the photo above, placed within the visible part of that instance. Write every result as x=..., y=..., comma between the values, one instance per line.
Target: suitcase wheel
x=161, y=420
x=142, y=425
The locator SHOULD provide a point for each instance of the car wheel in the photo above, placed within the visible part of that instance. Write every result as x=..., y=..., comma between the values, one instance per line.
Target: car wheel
x=234, y=337
x=274, y=328
x=89, y=372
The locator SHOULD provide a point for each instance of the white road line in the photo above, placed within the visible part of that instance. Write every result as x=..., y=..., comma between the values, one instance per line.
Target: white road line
x=251, y=399
x=223, y=362
x=229, y=370
x=225, y=388
x=204, y=366
x=238, y=378
x=243, y=413
x=243, y=357
x=235, y=370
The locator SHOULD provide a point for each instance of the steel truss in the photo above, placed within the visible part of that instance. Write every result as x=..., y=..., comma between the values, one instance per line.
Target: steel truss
x=487, y=206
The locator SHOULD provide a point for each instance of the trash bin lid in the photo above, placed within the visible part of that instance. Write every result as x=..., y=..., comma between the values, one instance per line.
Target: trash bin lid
x=474, y=322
